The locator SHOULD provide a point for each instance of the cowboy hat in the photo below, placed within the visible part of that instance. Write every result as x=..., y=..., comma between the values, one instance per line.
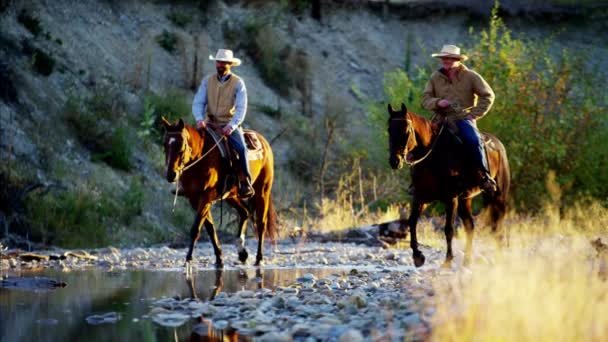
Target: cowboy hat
x=451, y=51
x=224, y=55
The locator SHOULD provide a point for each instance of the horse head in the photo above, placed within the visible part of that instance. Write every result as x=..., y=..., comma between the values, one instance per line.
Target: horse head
x=401, y=136
x=178, y=151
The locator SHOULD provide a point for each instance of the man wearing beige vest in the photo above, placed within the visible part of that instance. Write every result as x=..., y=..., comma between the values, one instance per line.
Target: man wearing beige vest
x=221, y=100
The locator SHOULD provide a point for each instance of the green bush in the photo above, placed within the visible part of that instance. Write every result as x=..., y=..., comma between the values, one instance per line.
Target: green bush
x=72, y=219
x=173, y=105
x=546, y=112
x=30, y=22
x=96, y=123
x=42, y=62
x=168, y=41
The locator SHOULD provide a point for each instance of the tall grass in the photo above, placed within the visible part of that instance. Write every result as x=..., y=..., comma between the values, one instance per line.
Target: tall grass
x=547, y=286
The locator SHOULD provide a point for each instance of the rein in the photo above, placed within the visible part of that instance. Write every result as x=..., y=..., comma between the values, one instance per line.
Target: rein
x=411, y=135
x=184, y=168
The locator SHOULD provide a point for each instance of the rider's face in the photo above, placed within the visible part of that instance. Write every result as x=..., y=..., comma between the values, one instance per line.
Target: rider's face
x=222, y=67
x=449, y=62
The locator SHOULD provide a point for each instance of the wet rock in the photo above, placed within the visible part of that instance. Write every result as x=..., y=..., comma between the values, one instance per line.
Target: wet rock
x=31, y=283
x=108, y=318
x=275, y=337
x=351, y=335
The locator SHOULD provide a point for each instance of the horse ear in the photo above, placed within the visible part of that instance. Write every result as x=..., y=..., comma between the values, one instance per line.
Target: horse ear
x=180, y=124
x=166, y=123
x=390, y=109
x=403, y=108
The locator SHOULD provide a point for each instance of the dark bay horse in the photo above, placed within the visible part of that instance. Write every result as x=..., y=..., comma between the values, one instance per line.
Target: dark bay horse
x=441, y=171
x=194, y=159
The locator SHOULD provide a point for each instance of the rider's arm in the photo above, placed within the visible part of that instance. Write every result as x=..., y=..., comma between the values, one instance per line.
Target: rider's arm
x=240, y=104
x=199, y=104
x=429, y=101
x=485, y=96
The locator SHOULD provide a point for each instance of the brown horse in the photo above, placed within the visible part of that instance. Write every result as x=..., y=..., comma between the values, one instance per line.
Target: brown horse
x=441, y=171
x=193, y=158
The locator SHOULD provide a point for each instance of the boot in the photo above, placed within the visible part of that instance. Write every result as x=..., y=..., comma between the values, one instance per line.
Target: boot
x=487, y=184
x=245, y=188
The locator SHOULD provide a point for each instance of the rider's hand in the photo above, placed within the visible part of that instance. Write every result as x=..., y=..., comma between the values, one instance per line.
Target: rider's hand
x=227, y=130
x=443, y=103
x=201, y=124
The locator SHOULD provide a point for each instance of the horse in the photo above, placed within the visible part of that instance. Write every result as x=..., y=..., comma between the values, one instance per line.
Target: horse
x=193, y=159
x=441, y=171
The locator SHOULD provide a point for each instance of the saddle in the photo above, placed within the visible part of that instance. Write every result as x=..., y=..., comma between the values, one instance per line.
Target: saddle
x=254, y=146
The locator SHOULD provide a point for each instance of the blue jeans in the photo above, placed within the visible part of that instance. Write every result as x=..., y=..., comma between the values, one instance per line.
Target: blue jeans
x=237, y=141
x=472, y=139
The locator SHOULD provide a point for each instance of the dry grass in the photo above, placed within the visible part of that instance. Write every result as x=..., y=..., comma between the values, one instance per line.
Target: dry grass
x=545, y=287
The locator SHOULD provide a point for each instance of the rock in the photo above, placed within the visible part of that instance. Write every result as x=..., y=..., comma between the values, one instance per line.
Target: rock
x=107, y=318
x=351, y=335
x=275, y=337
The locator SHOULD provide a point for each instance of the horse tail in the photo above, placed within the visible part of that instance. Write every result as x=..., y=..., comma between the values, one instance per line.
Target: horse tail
x=498, y=202
x=271, y=221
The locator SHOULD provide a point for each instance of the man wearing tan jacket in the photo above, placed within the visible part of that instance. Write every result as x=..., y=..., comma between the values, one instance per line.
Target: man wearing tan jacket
x=221, y=99
x=461, y=96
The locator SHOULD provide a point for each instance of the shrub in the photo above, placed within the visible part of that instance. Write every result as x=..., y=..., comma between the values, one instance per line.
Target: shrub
x=173, y=105
x=42, y=62
x=96, y=122
x=30, y=22
x=168, y=41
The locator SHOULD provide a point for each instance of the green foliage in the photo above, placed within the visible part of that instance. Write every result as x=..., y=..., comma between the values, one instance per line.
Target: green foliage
x=96, y=122
x=179, y=19
x=168, y=41
x=30, y=22
x=173, y=105
x=117, y=153
x=42, y=62
x=546, y=112
x=84, y=217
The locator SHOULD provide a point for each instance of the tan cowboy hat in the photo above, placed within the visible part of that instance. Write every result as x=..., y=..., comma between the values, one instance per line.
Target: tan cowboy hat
x=224, y=55
x=451, y=51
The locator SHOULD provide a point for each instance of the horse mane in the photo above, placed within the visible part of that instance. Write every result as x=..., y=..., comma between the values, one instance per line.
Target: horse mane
x=422, y=127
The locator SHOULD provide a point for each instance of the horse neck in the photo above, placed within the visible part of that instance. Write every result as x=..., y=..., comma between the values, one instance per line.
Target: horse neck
x=422, y=129
x=196, y=142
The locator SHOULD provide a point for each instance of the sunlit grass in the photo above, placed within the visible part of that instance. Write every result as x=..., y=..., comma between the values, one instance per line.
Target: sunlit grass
x=545, y=287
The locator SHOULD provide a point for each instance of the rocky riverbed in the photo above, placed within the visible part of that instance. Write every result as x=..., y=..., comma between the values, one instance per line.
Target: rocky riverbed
x=354, y=291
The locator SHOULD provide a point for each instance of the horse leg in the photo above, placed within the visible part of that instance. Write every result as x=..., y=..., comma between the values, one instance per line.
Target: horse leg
x=498, y=210
x=214, y=241
x=450, y=208
x=412, y=221
x=466, y=215
x=243, y=216
x=194, y=235
x=262, y=201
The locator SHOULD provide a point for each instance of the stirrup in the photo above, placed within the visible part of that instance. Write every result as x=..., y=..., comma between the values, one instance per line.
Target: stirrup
x=246, y=190
x=488, y=184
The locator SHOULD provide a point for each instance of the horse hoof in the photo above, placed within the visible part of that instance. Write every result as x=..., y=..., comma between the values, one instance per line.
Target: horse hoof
x=418, y=259
x=219, y=264
x=447, y=264
x=467, y=261
x=259, y=263
x=243, y=255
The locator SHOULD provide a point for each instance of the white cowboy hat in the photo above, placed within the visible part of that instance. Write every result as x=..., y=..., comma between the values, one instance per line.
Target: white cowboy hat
x=451, y=51
x=224, y=55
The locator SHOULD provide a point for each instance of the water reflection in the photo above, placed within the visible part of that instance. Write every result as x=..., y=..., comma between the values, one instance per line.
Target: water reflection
x=60, y=315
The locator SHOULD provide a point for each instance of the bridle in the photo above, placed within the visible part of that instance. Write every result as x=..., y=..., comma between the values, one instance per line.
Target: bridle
x=412, y=143
x=186, y=159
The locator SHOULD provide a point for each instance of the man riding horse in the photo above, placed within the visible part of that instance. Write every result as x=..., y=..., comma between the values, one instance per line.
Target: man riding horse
x=461, y=96
x=221, y=100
